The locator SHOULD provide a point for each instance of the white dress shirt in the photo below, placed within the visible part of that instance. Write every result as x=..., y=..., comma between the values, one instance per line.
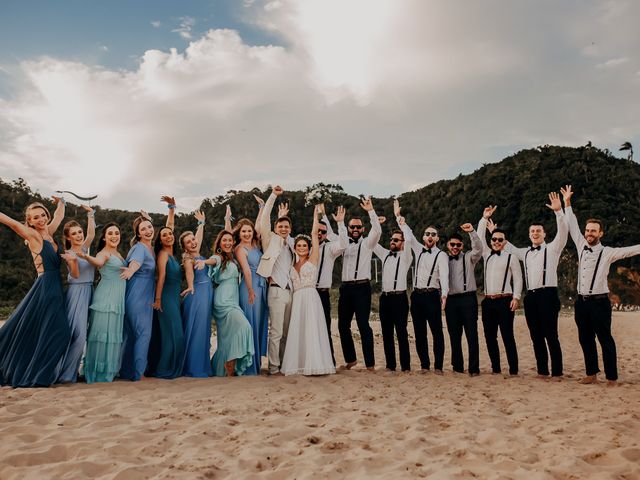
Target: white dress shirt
x=590, y=280
x=541, y=264
x=329, y=251
x=500, y=268
x=462, y=278
x=432, y=265
x=395, y=266
x=356, y=258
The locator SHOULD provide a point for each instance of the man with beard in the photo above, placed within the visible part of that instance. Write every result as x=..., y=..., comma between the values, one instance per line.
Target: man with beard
x=394, y=304
x=461, y=310
x=429, y=296
x=331, y=247
x=355, y=291
x=501, y=299
x=593, y=307
x=542, y=303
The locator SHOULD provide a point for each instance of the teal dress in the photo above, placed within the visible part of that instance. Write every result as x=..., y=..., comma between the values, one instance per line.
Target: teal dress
x=235, y=337
x=104, y=342
x=171, y=344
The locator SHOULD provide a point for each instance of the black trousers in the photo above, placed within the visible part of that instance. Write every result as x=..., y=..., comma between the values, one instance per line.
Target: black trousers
x=461, y=312
x=427, y=309
x=355, y=299
x=593, y=318
x=394, y=313
x=325, y=298
x=497, y=314
x=541, y=308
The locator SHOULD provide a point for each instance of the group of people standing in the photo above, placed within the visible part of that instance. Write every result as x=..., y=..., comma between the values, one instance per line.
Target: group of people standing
x=268, y=294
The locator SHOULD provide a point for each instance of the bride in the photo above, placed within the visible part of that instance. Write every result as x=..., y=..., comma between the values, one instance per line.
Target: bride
x=307, y=351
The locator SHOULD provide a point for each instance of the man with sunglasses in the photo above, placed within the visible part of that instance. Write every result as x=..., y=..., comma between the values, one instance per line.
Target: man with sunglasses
x=430, y=290
x=461, y=310
x=331, y=247
x=501, y=299
x=355, y=291
x=593, y=307
x=394, y=304
x=542, y=303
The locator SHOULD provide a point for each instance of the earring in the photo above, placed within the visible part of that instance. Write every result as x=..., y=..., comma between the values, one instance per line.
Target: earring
x=218, y=250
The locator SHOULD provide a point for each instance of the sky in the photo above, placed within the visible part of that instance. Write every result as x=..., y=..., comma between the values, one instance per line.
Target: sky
x=130, y=100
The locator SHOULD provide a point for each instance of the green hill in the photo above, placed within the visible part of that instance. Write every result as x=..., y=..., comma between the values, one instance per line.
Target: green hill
x=605, y=187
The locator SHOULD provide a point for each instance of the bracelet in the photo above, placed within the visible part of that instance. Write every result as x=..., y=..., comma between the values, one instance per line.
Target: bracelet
x=63, y=201
x=90, y=214
x=260, y=206
x=200, y=222
x=171, y=206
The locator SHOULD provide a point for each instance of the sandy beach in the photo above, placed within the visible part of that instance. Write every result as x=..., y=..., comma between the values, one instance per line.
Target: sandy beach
x=355, y=424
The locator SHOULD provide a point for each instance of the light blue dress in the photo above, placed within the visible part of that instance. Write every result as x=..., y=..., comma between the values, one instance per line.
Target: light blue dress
x=235, y=338
x=77, y=301
x=196, y=320
x=258, y=313
x=138, y=315
x=104, y=342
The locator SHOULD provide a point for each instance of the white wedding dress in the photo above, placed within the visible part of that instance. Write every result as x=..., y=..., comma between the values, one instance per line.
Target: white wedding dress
x=307, y=351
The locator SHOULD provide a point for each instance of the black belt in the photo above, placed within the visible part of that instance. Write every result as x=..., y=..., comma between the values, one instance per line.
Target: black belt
x=463, y=294
x=598, y=296
x=395, y=292
x=322, y=289
x=356, y=282
x=278, y=286
x=534, y=290
x=425, y=290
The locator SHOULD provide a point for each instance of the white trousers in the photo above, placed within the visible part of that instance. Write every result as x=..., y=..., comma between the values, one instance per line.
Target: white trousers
x=279, y=300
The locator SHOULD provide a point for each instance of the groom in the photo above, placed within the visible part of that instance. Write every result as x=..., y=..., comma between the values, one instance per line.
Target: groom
x=275, y=266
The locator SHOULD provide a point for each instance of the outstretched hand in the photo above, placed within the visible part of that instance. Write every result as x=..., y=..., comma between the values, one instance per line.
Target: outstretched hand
x=396, y=207
x=467, y=227
x=86, y=208
x=321, y=209
x=145, y=215
x=366, y=204
x=489, y=211
x=278, y=190
x=283, y=209
x=400, y=220
x=186, y=291
x=199, y=265
x=168, y=199
x=554, y=202
x=259, y=200
x=200, y=216
x=567, y=193
x=491, y=225
x=339, y=215
x=227, y=213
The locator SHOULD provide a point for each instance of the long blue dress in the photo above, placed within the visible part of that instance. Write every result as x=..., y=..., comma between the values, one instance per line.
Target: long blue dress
x=258, y=313
x=77, y=301
x=171, y=344
x=138, y=314
x=104, y=343
x=35, y=338
x=235, y=338
x=196, y=320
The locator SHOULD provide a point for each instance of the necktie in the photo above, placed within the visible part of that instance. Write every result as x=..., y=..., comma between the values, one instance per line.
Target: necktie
x=535, y=248
x=454, y=257
x=588, y=248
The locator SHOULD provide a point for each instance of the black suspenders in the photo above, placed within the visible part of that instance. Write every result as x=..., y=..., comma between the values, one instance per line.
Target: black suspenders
x=544, y=269
x=355, y=276
x=506, y=273
x=395, y=278
x=595, y=271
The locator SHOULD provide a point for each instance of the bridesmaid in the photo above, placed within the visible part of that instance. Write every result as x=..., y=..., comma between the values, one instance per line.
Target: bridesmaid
x=34, y=340
x=104, y=343
x=235, y=351
x=196, y=308
x=167, y=306
x=253, y=288
x=79, y=293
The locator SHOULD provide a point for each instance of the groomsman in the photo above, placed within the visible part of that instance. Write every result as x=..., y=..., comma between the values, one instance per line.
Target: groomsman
x=542, y=303
x=501, y=299
x=394, y=303
x=275, y=266
x=593, y=307
x=331, y=247
x=461, y=310
x=429, y=296
x=355, y=291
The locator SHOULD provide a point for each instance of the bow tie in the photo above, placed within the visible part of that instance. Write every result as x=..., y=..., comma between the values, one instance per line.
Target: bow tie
x=532, y=248
x=351, y=240
x=588, y=248
x=393, y=254
x=454, y=257
x=424, y=249
x=495, y=252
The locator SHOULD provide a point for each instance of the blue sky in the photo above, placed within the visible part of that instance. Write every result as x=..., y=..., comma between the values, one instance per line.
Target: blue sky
x=132, y=99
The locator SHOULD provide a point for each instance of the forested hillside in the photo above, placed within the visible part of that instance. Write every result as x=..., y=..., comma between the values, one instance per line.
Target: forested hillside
x=605, y=187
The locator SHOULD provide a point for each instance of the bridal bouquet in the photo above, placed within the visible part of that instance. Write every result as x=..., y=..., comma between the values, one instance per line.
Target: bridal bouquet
x=315, y=194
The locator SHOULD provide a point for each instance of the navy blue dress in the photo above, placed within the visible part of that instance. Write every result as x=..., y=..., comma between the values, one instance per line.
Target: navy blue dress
x=34, y=339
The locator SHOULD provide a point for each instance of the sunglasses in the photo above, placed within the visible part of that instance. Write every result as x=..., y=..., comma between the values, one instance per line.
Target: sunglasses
x=496, y=239
x=397, y=240
x=430, y=234
x=455, y=245
x=355, y=227
x=322, y=232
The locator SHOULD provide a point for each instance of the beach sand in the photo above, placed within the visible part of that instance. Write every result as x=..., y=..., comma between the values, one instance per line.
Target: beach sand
x=355, y=424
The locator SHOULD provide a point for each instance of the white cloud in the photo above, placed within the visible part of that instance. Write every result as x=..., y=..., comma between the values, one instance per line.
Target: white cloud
x=614, y=62
x=186, y=26
x=156, y=23
x=379, y=96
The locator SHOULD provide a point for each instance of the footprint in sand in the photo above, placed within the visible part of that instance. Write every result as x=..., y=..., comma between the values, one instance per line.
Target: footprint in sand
x=632, y=454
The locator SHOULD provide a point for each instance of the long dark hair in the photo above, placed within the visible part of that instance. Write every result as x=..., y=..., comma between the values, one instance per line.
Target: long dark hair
x=217, y=250
x=102, y=242
x=157, y=244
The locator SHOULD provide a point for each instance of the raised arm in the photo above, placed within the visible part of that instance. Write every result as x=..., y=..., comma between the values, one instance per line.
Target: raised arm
x=227, y=219
x=21, y=229
x=161, y=268
x=376, y=230
x=343, y=238
x=476, y=245
x=58, y=215
x=171, y=205
x=265, y=219
x=380, y=252
x=91, y=228
x=560, y=240
x=200, y=217
x=410, y=241
x=71, y=260
x=570, y=218
x=241, y=256
x=314, y=255
x=259, y=216
x=482, y=227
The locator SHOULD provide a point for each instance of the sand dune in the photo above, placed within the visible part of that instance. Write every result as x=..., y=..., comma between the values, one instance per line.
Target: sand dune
x=354, y=424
